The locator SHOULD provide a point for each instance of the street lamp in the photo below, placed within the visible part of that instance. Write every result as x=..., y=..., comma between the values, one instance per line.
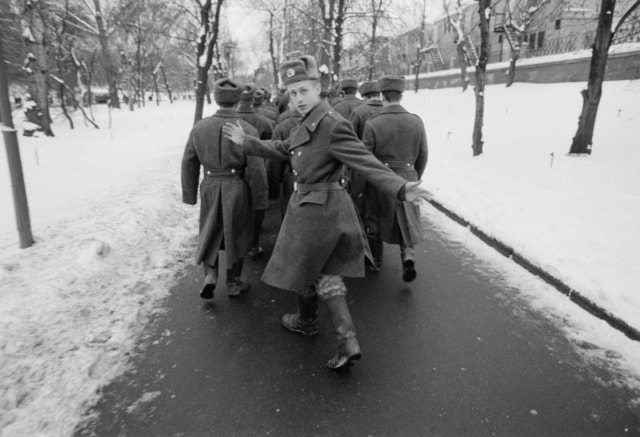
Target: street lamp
x=418, y=65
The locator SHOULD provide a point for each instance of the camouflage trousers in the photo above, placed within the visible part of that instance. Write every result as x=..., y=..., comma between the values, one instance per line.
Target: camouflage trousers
x=326, y=286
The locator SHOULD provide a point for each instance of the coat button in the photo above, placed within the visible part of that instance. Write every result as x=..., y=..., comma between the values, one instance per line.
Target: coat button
x=295, y=173
x=299, y=153
x=233, y=170
x=292, y=153
x=387, y=164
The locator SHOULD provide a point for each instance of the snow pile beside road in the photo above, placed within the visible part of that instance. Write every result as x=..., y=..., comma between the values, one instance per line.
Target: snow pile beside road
x=73, y=305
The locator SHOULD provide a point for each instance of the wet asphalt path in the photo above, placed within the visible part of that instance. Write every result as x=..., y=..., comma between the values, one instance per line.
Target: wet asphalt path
x=452, y=354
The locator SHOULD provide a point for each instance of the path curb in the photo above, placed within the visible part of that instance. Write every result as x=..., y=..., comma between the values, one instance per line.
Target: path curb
x=574, y=296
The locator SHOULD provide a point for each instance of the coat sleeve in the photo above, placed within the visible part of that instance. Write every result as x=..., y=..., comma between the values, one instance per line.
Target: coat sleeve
x=190, y=172
x=369, y=138
x=273, y=149
x=346, y=148
x=423, y=153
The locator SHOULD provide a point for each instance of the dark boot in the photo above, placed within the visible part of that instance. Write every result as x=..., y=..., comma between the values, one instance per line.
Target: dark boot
x=256, y=251
x=306, y=321
x=348, y=348
x=376, y=247
x=210, y=281
x=408, y=263
x=235, y=286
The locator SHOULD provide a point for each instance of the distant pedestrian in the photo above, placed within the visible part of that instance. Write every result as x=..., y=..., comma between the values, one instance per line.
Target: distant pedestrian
x=259, y=106
x=321, y=238
x=225, y=199
x=398, y=139
x=349, y=100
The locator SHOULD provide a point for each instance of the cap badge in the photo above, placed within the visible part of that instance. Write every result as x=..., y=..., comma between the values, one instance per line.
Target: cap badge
x=291, y=72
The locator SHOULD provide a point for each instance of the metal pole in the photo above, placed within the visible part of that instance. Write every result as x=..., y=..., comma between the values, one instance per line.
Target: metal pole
x=13, y=158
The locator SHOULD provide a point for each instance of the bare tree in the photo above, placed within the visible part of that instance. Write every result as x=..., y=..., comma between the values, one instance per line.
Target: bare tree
x=514, y=28
x=35, y=64
x=465, y=49
x=484, y=9
x=207, y=41
x=109, y=67
x=605, y=33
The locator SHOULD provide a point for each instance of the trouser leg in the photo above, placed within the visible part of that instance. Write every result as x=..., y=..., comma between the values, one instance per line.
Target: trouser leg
x=408, y=257
x=377, y=248
x=210, y=280
x=258, y=217
x=235, y=286
x=332, y=292
x=305, y=322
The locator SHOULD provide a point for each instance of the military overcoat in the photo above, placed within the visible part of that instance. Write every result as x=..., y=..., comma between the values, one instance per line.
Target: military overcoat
x=225, y=199
x=321, y=232
x=259, y=185
x=398, y=139
x=346, y=106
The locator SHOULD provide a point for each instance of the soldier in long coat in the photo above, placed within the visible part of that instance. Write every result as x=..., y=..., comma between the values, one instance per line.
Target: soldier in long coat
x=280, y=174
x=259, y=186
x=225, y=199
x=398, y=139
x=372, y=105
x=321, y=238
x=349, y=101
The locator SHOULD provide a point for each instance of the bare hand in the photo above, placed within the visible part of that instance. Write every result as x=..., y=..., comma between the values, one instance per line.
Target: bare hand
x=234, y=132
x=413, y=192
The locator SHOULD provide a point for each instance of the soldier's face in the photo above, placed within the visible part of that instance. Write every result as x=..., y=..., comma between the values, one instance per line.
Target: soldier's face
x=305, y=95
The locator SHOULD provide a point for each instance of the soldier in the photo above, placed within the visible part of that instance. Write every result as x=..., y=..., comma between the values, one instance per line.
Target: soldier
x=225, y=200
x=372, y=105
x=260, y=108
x=349, y=102
x=398, y=139
x=259, y=187
x=320, y=239
x=280, y=175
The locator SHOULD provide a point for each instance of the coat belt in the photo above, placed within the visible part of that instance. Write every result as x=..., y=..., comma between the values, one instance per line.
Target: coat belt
x=320, y=186
x=398, y=165
x=224, y=173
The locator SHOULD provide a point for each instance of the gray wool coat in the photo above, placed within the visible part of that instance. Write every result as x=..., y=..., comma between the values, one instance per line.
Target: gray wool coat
x=398, y=139
x=321, y=232
x=225, y=203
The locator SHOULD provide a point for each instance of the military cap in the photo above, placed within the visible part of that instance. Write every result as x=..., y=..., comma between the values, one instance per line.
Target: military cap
x=226, y=91
x=349, y=83
x=368, y=88
x=248, y=91
x=391, y=83
x=303, y=68
x=258, y=96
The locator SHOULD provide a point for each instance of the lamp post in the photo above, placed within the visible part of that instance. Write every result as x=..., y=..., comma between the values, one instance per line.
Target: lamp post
x=418, y=65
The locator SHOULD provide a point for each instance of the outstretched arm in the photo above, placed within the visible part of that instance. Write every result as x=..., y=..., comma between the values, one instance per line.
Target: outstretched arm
x=253, y=145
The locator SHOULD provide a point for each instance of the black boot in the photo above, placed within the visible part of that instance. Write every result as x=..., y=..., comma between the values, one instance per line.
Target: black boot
x=210, y=281
x=348, y=348
x=235, y=286
x=306, y=321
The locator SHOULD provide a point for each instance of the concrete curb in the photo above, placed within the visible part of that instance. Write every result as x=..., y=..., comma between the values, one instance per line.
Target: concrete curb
x=575, y=296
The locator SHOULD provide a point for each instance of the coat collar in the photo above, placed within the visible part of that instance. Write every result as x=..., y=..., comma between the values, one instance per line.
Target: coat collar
x=313, y=118
x=227, y=112
x=394, y=108
x=374, y=102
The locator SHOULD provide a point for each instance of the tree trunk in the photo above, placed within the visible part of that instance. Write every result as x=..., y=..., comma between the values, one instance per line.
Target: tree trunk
x=372, y=53
x=481, y=68
x=204, y=50
x=591, y=96
x=462, y=59
x=38, y=45
x=274, y=61
x=106, y=58
x=511, y=73
x=166, y=84
x=339, y=34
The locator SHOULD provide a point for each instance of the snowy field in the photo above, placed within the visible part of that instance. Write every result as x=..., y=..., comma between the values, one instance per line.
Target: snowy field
x=112, y=232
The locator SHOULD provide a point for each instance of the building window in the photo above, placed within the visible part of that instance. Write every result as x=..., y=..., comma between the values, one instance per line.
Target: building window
x=540, y=39
x=499, y=39
x=532, y=41
x=558, y=24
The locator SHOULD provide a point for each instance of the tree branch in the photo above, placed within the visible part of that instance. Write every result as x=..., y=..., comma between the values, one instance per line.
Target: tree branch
x=622, y=19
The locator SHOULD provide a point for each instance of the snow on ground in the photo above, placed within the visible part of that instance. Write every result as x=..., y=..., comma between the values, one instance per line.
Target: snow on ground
x=577, y=217
x=112, y=232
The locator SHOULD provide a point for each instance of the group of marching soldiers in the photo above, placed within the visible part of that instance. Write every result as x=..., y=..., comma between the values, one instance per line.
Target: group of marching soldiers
x=346, y=171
